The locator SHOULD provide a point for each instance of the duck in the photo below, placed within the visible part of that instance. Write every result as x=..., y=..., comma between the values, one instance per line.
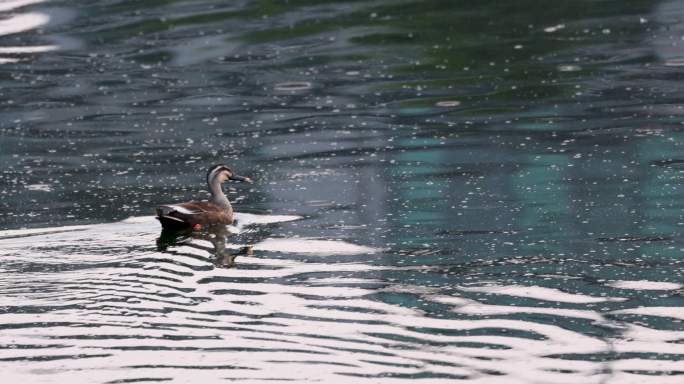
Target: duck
x=196, y=215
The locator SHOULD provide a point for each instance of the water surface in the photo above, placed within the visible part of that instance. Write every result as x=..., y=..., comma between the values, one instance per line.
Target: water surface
x=481, y=191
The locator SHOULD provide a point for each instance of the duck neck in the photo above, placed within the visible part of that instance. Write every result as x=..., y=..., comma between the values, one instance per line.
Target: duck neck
x=217, y=196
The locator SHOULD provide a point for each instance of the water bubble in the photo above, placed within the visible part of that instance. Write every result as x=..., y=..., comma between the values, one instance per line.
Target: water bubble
x=39, y=187
x=292, y=86
x=554, y=28
x=569, y=68
x=448, y=103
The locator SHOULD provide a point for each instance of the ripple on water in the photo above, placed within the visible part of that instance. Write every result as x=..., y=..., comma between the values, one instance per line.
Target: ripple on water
x=21, y=22
x=122, y=313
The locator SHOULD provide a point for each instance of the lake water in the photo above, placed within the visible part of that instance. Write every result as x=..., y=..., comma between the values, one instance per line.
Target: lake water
x=485, y=192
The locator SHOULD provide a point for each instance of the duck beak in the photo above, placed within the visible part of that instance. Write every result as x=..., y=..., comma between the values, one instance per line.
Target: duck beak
x=240, y=178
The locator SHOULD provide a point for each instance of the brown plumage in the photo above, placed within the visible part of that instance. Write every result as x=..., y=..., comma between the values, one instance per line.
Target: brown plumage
x=197, y=214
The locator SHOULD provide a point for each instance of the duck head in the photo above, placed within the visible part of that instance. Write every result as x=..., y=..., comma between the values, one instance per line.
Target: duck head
x=221, y=173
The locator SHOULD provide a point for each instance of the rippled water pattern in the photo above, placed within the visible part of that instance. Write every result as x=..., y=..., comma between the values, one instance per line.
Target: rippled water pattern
x=100, y=303
x=445, y=191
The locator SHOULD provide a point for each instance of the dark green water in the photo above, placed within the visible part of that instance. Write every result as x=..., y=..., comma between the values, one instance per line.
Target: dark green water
x=486, y=191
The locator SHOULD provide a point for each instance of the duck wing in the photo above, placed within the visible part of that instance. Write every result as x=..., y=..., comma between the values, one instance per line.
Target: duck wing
x=189, y=208
x=184, y=215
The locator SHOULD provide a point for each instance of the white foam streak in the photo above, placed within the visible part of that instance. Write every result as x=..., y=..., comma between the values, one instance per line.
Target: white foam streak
x=313, y=246
x=541, y=293
x=672, y=312
x=31, y=49
x=7, y=5
x=473, y=307
x=645, y=285
x=23, y=22
x=39, y=231
x=246, y=219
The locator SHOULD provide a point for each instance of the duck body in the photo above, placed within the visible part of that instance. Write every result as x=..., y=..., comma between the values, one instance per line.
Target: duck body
x=192, y=213
x=198, y=214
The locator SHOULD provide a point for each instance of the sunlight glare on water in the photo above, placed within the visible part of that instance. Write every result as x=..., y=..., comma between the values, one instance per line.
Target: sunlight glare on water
x=119, y=310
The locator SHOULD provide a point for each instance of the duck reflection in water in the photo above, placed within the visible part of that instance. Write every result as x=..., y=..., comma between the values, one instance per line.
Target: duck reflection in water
x=216, y=235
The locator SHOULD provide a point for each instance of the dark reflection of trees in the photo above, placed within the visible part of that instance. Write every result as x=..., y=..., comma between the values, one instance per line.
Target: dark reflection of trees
x=217, y=236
